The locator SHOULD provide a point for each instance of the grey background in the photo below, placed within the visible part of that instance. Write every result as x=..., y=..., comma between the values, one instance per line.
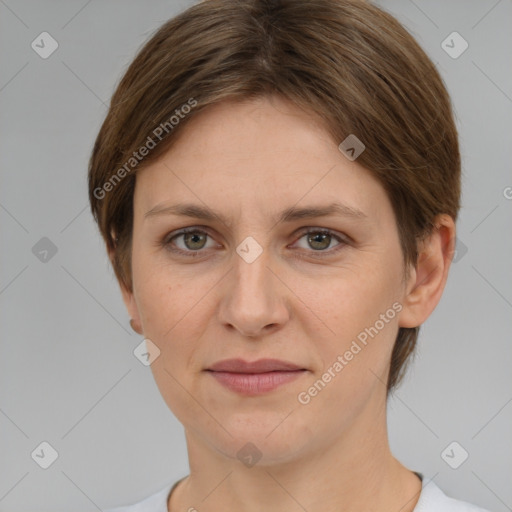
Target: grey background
x=68, y=375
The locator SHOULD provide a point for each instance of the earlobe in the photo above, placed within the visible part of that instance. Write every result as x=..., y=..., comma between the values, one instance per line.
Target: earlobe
x=133, y=311
x=135, y=326
x=428, y=278
x=131, y=306
x=129, y=300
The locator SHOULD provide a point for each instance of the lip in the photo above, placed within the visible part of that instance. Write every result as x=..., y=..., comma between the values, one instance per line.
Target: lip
x=256, y=377
x=259, y=366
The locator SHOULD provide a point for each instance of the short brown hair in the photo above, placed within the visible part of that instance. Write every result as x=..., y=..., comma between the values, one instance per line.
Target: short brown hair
x=347, y=61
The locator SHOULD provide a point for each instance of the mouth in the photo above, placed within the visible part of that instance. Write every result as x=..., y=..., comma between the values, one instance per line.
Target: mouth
x=257, y=377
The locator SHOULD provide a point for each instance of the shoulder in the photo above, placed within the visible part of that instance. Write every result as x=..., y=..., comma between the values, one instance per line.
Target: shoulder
x=433, y=499
x=157, y=502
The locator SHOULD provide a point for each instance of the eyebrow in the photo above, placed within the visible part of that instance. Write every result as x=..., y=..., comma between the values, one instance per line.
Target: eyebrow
x=288, y=215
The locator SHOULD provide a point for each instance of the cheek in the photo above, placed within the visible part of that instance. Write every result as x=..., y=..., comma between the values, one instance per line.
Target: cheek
x=159, y=293
x=172, y=309
x=168, y=307
x=358, y=309
x=353, y=299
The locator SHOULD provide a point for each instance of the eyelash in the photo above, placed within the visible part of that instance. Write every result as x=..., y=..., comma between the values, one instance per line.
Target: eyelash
x=166, y=242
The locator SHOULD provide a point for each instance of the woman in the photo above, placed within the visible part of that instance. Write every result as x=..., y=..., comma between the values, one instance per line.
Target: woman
x=277, y=185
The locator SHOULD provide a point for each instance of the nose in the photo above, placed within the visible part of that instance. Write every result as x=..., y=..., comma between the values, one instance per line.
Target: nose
x=254, y=298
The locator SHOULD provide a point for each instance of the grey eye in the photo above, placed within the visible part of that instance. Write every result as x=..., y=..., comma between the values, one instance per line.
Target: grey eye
x=194, y=240
x=318, y=240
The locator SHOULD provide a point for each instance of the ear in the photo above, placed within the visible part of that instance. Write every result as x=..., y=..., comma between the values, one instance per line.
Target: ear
x=130, y=303
x=428, y=278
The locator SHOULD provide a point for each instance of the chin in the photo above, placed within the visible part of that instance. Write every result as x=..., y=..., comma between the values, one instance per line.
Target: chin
x=262, y=441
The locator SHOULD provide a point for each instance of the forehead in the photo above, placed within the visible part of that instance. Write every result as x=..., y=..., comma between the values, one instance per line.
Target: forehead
x=256, y=154
x=265, y=124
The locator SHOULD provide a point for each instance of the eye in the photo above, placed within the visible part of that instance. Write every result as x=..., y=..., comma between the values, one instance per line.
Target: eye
x=320, y=240
x=188, y=241
x=192, y=241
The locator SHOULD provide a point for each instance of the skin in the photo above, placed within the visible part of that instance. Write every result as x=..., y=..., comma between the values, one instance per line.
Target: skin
x=249, y=161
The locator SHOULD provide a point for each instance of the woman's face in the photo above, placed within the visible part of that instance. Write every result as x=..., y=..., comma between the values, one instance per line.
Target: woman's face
x=255, y=286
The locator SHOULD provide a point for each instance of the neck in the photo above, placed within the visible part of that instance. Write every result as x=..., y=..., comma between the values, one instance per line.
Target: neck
x=351, y=472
